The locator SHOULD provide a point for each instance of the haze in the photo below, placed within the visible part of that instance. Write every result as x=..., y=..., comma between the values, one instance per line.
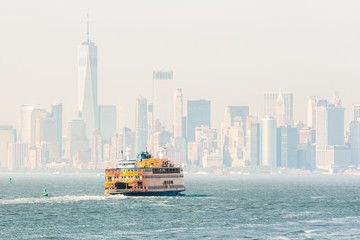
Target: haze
x=229, y=52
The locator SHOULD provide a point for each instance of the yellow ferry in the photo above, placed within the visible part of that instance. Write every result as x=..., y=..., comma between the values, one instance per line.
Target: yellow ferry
x=145, y=176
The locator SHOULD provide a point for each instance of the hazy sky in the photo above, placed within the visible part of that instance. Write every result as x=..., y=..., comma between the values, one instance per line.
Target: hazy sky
x=229, y=52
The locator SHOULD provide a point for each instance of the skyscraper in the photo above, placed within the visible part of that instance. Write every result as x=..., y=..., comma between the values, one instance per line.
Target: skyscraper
x=37, y=113
x=198, y=113
x=354, y=142
x=330, y=148
x=107, y=122
x=268, y=141
x=311, y=114
x=150, y=119
x=252, y=141
x=77, y=141
x=356, y=112
x=141, y=126
x=178, y=113
x=56, y=113
x=280, y=106
x=87, y=84
x=287, y=141
x=17, y=152
x=7, y=136
x=163, y=98
x=25, y=128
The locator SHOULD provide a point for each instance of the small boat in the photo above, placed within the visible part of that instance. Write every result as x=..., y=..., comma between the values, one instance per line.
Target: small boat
x=10, y=181
x=45, y=194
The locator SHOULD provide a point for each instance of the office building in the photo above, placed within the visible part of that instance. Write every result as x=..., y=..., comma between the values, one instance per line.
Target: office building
x=311, y=112
x=141, y=125
x=280, y=106
x=356, y=112
x=17, y=152
x=88, y=84
x=178, y=113
x=354, y=142
x=268, y=141
x=56, y=113
x=331, y=151
x=287, y=141
x=25, y=123
x=107, y=122
x=198, y=113
x=7, y=136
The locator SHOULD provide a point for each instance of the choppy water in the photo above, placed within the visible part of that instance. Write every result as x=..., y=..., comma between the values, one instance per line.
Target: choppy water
x=213, y=207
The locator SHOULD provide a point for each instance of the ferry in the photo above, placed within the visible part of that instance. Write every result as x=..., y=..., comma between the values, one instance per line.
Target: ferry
x=144, y=176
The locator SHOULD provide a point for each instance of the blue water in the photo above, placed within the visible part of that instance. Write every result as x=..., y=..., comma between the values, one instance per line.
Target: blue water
x=213, y=207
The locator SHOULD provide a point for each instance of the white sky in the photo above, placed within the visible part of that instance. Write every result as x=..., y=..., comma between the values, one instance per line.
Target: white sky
x=227, y=51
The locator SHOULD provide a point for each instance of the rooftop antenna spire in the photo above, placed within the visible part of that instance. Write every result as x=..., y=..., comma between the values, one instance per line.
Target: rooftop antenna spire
x=87, y=29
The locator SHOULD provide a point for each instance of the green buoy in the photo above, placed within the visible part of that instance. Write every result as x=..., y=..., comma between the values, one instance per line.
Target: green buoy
x=10, y=181
x=45, y=194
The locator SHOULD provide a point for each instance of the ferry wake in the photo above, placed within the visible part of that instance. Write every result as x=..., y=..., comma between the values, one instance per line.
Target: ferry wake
x=144, y=176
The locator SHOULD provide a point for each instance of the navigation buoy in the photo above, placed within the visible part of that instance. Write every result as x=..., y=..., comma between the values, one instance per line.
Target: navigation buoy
x=10, y=181
x=45, y=194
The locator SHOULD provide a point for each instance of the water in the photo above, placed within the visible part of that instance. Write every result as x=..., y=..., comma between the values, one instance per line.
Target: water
x=213, y=207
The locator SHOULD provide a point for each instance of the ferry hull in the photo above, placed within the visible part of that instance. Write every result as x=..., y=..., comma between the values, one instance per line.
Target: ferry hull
x=149, y=193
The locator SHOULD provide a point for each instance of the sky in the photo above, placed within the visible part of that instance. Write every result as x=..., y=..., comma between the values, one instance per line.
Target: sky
x=226, y=51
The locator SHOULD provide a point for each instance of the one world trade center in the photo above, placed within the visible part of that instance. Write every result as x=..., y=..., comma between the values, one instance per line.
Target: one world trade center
x=87, y=84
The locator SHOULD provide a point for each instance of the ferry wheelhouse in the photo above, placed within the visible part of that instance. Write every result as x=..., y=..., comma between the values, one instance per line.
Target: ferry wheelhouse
x=144, y=176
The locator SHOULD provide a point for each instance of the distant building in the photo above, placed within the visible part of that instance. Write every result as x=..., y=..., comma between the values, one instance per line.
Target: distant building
x=354, y=142
x=7, y=136
x=141, y=125
x=37, y=113
x=107, y=122
x=198, y=113
x=311, y=114
x=56, y=113
x=46, y=134
x=252, y=141
x=356, y=111
x=268, y=141
x=233, y=113
x=331, y=151
x=96, y=150
x=178, y=113
x=77, y=143
x=287, y=142
x=88, y=84
x=128, y=143
x=150, y=119
x=163, y=99
x=17, y=152
x=25, y=123
x=280, y=106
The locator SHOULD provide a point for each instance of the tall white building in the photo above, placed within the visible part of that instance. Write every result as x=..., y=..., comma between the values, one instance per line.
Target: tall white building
x=25, y=123
x=178, y=113
x=280, y=106
x=88, y=84
x=268, y=141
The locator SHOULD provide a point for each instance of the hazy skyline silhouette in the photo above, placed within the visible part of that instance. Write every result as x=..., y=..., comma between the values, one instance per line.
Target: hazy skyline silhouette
x=229, y=52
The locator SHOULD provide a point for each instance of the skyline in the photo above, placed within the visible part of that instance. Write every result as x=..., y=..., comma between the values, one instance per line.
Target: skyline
x=221, y=59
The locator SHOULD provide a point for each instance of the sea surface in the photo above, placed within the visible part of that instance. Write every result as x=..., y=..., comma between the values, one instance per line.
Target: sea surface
x=212, y=207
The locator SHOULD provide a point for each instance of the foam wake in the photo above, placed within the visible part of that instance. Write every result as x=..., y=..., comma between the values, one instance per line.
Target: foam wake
x=60, y=199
